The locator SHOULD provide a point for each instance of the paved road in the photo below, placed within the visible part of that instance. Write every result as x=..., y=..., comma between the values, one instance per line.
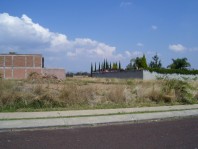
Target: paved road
x=180, y=134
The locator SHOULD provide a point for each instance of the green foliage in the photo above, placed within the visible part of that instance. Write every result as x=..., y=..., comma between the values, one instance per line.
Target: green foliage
x=179, y=63
x=99, y=67
x=172, y=71
x=181, y=89
x=143, y=62
x=137, y=63
x=91, y=69
x=119, y=66
x=115, y=66
x=1, y=76
x=95, y=68
x=155, y=63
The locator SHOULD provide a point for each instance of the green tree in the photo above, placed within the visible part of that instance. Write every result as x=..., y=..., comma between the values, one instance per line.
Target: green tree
x=99, y=67
x=91, y=70
x=143, y=62
x=115, y=66
x=106, y=64
x=179, y=63
x=131, y=65
x=119, y=66
x=137, y=63
x=155, y=63
x=95, y=68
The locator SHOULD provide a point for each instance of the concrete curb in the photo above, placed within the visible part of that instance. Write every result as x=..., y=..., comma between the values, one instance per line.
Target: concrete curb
x=59, y=114
x=92, y=120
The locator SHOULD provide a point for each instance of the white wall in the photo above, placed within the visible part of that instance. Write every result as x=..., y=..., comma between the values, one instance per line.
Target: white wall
x=147, y=75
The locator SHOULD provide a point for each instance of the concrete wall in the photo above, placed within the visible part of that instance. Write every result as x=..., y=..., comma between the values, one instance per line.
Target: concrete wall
x=154, y=75
x=59, y=73
x=136, y=74
x=143, y=74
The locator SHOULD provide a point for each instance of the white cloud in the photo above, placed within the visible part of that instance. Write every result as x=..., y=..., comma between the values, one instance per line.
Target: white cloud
x=154, y=27
x=133, y=54
x=22, y=35
x=177, y=47
x=125, y=4
x=139, y=44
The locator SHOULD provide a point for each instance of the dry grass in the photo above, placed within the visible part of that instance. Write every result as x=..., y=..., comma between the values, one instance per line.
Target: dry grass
x=94, y=93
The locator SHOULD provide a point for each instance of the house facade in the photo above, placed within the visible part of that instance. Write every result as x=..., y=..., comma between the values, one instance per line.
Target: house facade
x=19, y=66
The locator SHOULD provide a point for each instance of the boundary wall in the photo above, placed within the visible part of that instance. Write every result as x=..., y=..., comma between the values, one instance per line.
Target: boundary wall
x=19, y=66
x=144, y=75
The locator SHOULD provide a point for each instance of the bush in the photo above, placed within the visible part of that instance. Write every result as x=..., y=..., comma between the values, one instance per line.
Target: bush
x=181, y=89
x=172, y=71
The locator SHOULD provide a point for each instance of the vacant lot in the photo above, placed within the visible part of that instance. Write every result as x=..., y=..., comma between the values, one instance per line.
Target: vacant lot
x=35, y=94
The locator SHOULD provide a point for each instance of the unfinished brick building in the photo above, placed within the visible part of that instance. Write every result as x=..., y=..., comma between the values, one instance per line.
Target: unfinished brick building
x=19, y=66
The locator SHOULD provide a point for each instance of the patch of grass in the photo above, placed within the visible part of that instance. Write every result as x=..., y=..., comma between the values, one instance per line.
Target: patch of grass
x=93, y=93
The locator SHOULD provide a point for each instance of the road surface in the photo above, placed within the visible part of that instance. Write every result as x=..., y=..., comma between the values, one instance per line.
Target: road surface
x=180, y=133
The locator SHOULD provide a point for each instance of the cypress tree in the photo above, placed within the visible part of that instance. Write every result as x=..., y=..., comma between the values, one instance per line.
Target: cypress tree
x=91, y=70
x=119, y=66
x=99, y=67
x=95, y=67
x=104, y=65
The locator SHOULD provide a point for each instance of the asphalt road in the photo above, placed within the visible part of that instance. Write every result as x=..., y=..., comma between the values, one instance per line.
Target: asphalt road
x=182, y=133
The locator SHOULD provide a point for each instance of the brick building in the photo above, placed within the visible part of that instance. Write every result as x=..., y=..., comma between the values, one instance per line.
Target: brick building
x=18, y=66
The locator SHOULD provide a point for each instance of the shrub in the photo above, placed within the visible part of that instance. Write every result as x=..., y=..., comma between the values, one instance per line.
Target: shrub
x=181, y=89
x=172, y=71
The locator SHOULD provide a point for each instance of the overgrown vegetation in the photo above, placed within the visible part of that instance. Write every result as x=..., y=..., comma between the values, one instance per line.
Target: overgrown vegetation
x=172, y=71
x=84, y=93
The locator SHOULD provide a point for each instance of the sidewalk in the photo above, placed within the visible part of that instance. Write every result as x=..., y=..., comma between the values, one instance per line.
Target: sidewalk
x=24, y=120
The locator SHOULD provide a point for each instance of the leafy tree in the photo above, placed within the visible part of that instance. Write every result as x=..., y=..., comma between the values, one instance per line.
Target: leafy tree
x=131, y=65
x=143, y=62
x=155, y=63
x=137, y=63
x=179, y=63
x=115, y=66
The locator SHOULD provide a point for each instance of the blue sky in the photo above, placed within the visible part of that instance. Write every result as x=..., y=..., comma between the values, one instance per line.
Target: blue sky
x=73, y=33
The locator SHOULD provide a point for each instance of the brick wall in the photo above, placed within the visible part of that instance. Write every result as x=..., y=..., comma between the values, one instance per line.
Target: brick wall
x=20, y=66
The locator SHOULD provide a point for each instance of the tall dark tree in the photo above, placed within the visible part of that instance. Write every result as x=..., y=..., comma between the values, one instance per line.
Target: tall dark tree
x=91, y=70
x=104, y=65
x=110, y=65
x=107, y=64
x=179, y=63
x=99, y=67
x=95, y=68
x=155, y=63
x=119, y=66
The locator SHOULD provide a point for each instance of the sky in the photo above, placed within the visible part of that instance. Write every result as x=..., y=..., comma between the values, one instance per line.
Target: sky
x=72, y=34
